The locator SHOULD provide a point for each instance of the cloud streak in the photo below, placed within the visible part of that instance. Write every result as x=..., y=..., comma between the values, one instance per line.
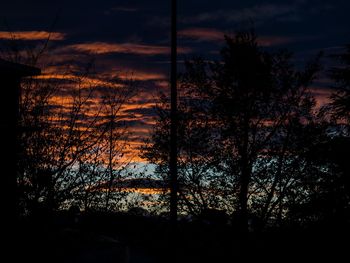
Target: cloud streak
x=269, y=41
x=202, y=34
x=124, y=48
x=322, y=95
x=141, y=75
x=215, y=35
x=32, y=35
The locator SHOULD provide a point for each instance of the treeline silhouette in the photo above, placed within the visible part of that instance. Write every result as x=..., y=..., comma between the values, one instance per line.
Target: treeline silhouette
x=263, y=170
x=254, y=146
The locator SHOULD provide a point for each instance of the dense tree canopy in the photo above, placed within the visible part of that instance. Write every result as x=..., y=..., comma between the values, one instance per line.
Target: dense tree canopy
x=246, y=126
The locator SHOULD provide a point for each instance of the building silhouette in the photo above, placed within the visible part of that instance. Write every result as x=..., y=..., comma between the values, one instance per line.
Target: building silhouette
x=10, y=86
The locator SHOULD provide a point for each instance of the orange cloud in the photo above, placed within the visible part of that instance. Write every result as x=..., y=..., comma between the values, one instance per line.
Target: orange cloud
x=135, y=105
x=202, y=34
x=127, y=48
x=322, y=95
x=211, y=34
x=139, y=122
x=268, y=41
x=32, y=35
x=84, y=82
x=140, y=75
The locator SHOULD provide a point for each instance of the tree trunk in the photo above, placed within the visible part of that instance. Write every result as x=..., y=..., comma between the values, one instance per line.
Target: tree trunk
x=243, y=197
x=244, y=179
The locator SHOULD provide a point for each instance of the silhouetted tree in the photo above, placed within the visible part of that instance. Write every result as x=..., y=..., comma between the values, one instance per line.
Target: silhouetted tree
x=240, y=115
x=72, y=136
x=257, y=97
x=195, y=175
x=328, y=177
x=61, y=144
x=340, y=104
x=341, y=108
x=325, y=187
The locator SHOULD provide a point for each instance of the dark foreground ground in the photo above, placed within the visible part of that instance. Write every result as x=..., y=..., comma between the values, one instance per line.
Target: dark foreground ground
x=106, y=238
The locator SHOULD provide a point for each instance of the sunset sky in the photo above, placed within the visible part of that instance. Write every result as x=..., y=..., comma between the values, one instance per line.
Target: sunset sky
x=131, y=37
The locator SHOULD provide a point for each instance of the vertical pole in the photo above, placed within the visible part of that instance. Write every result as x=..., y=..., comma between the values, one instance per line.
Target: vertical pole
x=173, y=116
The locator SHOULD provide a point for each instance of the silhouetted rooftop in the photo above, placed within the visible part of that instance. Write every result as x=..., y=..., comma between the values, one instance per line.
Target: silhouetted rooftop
x=15, y=69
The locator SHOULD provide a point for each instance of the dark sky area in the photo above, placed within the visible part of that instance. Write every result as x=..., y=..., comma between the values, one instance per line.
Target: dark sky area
x=142, y=27
x=133, y=35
